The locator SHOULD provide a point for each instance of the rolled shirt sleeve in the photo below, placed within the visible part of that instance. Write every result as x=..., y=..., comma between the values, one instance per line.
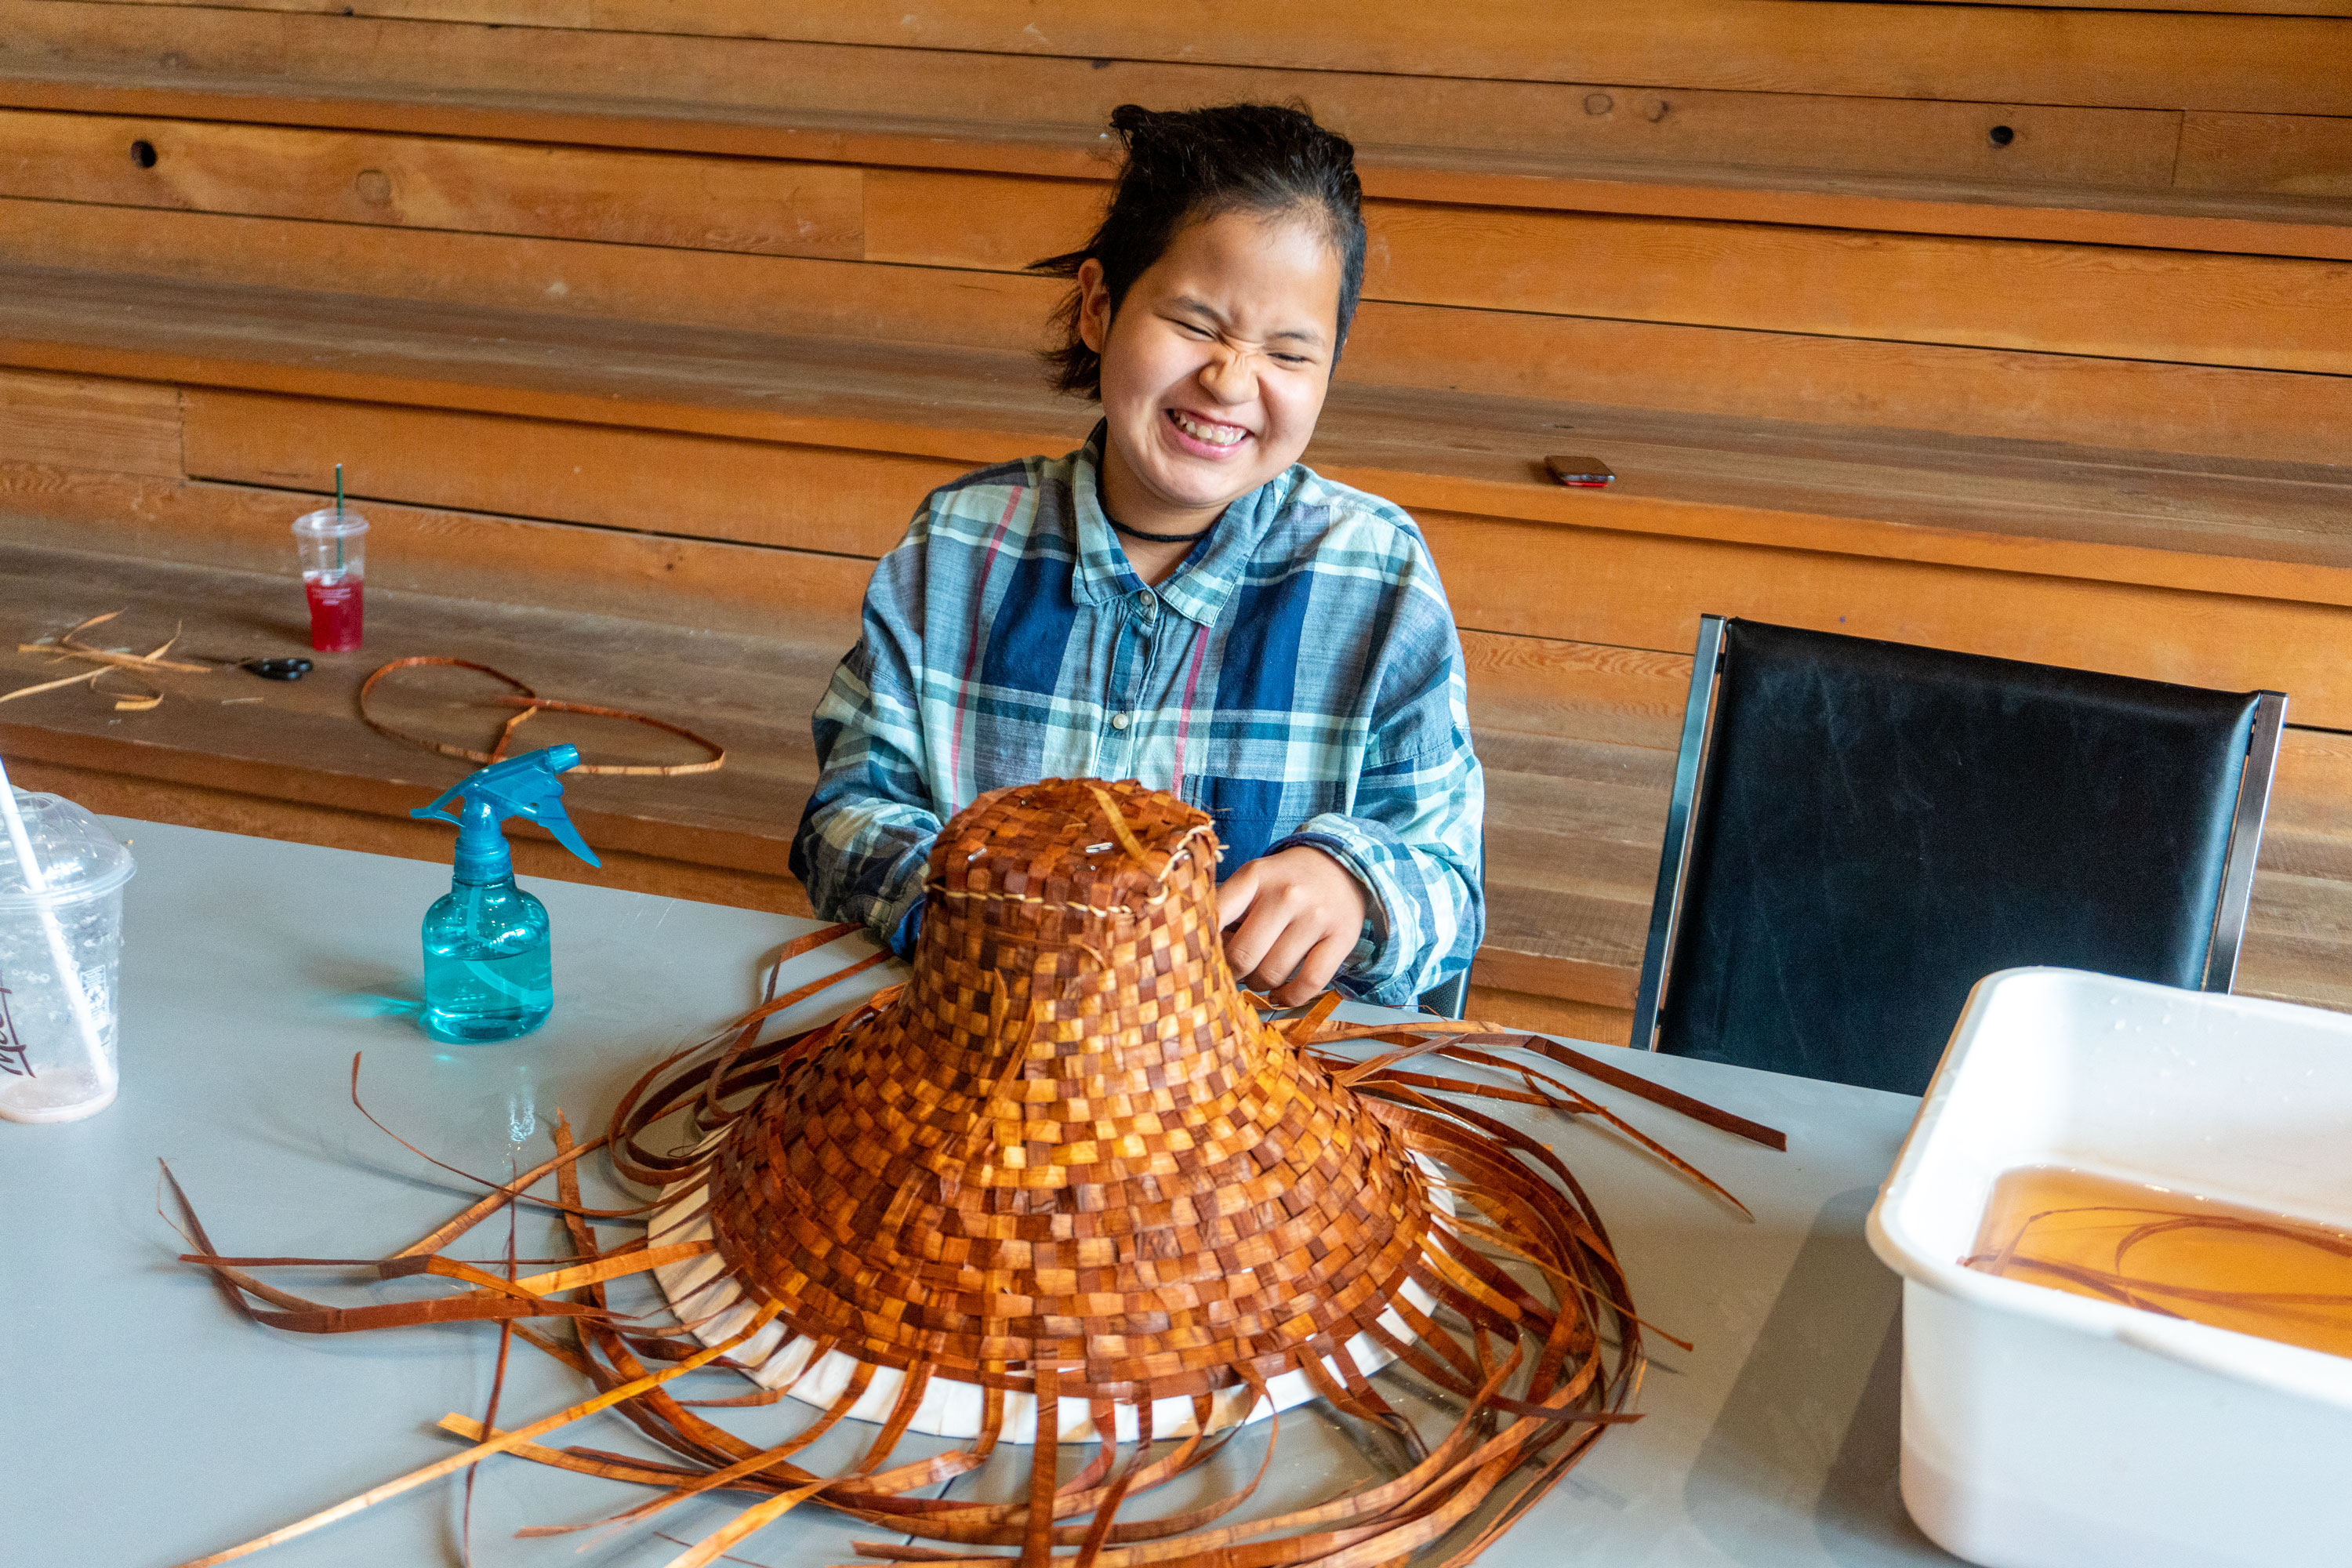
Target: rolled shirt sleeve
x=866, y=834
x=1413, y=835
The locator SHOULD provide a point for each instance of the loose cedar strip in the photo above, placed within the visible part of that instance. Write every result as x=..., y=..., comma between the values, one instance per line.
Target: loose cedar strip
x=480, y=1451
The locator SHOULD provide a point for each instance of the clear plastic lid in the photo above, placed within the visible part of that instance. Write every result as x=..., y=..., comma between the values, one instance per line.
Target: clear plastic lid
x=78, y=858
x=328, y=524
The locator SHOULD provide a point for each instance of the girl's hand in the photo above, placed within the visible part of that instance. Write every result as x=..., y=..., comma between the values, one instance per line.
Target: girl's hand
x=1290, y=921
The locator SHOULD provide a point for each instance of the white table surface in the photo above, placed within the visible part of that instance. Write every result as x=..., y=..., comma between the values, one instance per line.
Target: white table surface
x=142, y=1423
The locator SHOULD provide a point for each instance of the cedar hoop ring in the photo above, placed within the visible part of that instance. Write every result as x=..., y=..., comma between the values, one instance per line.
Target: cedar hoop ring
x=530, y=705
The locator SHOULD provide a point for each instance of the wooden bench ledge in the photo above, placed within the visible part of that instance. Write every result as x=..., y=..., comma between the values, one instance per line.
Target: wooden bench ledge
x=303, y=740
x=1573, y=824
x=2273, y=530
x=299, y=747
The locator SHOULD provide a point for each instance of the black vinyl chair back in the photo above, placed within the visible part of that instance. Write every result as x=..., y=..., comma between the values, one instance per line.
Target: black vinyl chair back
x=1861, y=830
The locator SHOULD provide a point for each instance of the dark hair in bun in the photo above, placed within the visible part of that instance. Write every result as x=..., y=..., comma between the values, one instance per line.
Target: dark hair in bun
x=1186, y=165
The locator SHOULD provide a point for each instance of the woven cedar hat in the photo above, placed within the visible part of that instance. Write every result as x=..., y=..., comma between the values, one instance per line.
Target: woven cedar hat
x=1070, y=1141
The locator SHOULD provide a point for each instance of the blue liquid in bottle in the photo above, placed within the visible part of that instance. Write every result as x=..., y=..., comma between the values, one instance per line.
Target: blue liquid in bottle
x=487, y=969
x=487, y=975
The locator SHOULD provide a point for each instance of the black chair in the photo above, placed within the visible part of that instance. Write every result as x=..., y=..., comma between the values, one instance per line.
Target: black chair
x=1861, y=830
x=1449, y=1000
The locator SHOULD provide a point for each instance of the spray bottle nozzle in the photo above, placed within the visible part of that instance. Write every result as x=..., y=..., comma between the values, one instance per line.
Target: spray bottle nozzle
x=519, y=786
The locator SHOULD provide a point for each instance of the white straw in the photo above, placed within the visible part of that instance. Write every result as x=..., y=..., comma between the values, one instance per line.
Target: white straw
x=37, y=884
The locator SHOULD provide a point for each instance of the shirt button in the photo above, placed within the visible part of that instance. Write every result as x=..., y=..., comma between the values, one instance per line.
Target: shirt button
x=1146, y=605
x=1118, y=721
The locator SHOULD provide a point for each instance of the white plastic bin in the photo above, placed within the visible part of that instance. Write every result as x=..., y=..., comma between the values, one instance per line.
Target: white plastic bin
x=2047, y=1430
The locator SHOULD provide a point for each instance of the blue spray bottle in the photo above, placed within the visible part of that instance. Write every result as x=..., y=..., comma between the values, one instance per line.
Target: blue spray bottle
x=487, y=974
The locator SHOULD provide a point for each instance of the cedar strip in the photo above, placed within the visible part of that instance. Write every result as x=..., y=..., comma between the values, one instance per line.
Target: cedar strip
x=482, y=1450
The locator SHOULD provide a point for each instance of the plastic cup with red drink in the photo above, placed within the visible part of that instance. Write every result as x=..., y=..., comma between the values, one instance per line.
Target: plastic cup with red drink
x=333, y=546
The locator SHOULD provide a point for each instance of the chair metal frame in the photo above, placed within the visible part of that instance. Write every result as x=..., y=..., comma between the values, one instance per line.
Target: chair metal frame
x=2254, y=780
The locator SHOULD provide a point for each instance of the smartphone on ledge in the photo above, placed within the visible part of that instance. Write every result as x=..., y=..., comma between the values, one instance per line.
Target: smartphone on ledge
x=1580, y=473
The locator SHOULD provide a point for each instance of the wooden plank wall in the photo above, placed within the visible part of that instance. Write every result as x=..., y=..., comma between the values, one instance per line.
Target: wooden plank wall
x=2014, y=328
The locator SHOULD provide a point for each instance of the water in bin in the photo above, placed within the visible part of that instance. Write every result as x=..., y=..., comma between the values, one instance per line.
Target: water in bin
x=60, y=946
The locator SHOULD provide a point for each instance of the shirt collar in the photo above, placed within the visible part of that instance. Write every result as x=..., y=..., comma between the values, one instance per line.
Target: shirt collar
x=1199, y=588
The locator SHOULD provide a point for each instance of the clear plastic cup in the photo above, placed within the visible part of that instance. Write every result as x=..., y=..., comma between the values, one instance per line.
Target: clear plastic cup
x=333, y=547
x=56, y=1044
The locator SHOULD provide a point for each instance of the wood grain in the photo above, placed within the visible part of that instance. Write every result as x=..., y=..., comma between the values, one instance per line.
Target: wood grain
x=501, y=13
x=713, y=384
x=2200, y=524
x=2262, y=311
x=2247, y=311
x=2271, y=312
x=2314, y=787
x=413, y=182
x=2292, y=154
x=972, y=405
x=556, y=277
x=793, y=206
x=1546, y=686
x=2239, y=7
x=1002, y=224
x=802, y=498
x=1538, y=974
x=2220, y=221
x=1588, y=586
x=1576, y=734
x=1547, y=1014
x=64, y=36
x=1574, y=822
x=1991, y=54
x=496, y=560
x=368, y=73
x=2139, y=405
x=81, y=421
x=751, y=693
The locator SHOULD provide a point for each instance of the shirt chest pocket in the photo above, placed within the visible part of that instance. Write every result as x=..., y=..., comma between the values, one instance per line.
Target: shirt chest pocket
x=1252, y=813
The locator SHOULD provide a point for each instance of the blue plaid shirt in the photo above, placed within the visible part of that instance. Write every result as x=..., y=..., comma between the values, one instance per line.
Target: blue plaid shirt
x=1298, y=677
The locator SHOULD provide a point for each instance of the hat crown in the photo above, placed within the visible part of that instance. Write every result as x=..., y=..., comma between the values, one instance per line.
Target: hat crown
x=1071, y=856
x=1040, y=894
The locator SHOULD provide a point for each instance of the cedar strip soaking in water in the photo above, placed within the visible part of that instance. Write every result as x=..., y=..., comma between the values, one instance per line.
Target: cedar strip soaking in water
x=2163, y=1251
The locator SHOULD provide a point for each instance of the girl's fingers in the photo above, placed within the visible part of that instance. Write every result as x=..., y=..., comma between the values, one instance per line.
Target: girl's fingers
x=1240, y=889
x=1248, y=945
x=1313, y=975
x=1290, y=948
x=1286, y=910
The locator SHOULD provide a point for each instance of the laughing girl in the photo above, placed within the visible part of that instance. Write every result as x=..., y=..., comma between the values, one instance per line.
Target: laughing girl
x=1180, y=600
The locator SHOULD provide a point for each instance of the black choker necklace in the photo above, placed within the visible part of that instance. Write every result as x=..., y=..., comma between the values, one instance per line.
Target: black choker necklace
x=1157, y=538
